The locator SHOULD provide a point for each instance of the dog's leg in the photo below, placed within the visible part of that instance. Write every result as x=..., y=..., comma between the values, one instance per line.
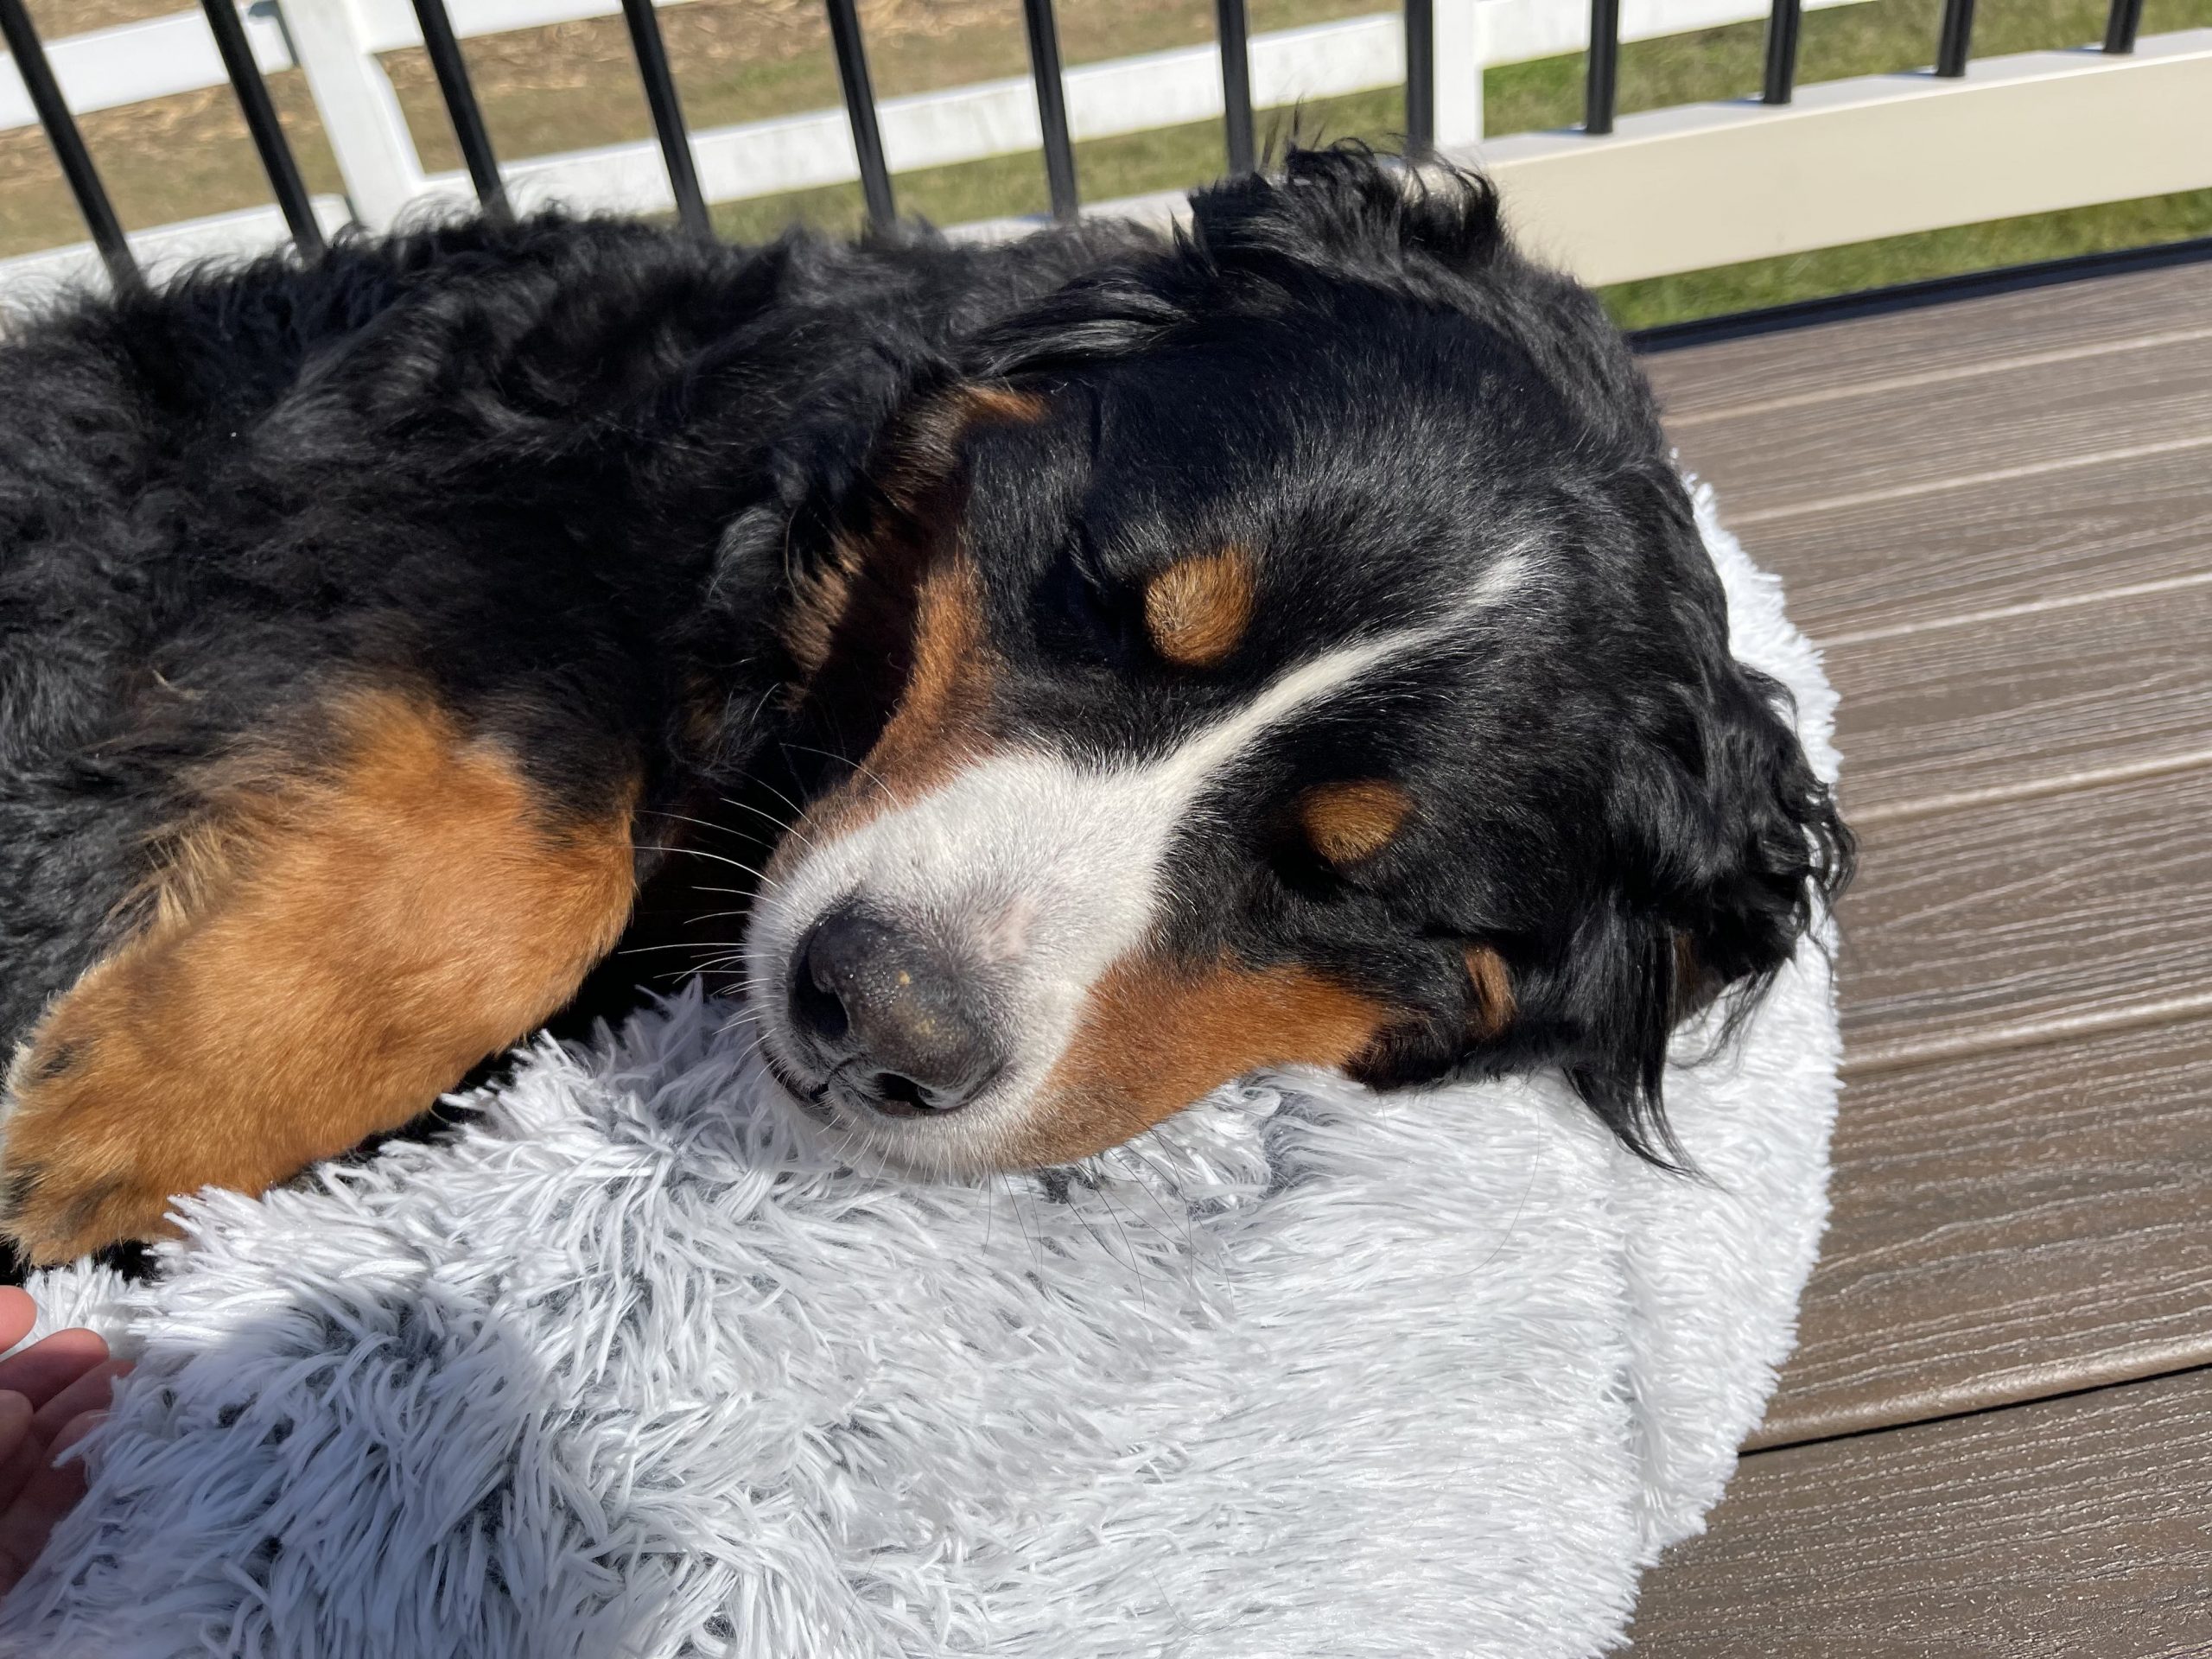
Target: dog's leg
x=324, y=955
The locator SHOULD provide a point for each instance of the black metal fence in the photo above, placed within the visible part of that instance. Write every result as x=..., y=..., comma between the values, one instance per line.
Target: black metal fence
x=1600, y=96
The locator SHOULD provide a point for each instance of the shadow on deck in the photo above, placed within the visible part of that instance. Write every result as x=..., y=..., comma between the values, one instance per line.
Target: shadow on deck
x=1995, y=515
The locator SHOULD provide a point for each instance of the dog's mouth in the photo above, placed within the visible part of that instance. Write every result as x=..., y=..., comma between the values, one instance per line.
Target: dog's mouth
x=849, y=1092
x=903, y=1122
x=874, y=1124
x=810, y=1099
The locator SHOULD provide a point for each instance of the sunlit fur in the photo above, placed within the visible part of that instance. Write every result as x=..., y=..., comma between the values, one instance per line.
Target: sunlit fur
x=1465, y=568
x=657, y=518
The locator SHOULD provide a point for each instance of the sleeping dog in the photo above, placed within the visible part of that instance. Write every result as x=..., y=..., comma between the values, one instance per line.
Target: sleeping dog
x=1146, y=658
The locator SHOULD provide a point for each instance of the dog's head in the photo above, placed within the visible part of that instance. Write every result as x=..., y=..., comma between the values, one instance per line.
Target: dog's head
x=1292, y=647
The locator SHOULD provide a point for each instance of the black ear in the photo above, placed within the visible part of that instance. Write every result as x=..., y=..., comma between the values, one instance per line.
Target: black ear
x=1269, y=244
x=1344, y=208
x=1769, y=852
x=1726, y=848
x=1717, y=848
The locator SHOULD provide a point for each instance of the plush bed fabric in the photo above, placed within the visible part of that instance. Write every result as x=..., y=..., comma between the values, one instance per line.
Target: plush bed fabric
x=629, y=1367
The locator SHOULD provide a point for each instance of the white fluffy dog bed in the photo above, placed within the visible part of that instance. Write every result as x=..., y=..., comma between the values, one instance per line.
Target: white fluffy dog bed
x=628, y=1368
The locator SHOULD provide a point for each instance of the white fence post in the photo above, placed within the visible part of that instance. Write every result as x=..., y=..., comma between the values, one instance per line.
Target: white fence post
x=1461, y=39
x=360, y=112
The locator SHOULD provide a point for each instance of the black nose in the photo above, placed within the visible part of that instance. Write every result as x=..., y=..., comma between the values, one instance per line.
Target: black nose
x=867, y=992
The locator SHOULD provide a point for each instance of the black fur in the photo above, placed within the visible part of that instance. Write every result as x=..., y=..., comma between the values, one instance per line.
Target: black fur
x=565, y=473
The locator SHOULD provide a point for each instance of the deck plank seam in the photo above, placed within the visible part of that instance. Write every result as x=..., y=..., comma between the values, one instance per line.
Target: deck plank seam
x=1967, y=481
x=2027, y=789
x=2027, y=1034
x=2056, y=602
x=1754, y=1447
x=1936, y=377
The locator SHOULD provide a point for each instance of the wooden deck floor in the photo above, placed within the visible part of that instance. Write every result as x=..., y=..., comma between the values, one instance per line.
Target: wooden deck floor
x=1996, y=1438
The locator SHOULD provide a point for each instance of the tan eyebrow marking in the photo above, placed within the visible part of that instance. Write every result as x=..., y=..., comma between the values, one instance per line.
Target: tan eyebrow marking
x=936, y=726
x=1345, y=822
x=914, y=475
x=1197, y=609
x=1493, y=1009
x=982, y=402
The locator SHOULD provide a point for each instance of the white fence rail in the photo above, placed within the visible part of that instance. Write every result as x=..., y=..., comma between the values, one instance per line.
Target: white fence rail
x=338, y=43
x=1672, y=190
x=132, y=62
x=1849, y=160
x=1702, y=185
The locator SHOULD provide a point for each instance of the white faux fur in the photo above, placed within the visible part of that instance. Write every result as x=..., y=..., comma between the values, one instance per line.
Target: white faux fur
x=627, y=1368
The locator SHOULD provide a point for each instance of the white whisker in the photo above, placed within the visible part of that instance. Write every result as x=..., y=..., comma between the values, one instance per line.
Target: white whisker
x=788, y=828
x=700, y=852
x=860, y=766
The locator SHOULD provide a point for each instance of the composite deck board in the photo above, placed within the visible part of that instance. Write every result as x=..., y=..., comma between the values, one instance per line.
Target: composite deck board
x=1996, y=515
x=2038, y=425
x=2046, y=912
x=2008, y=1227
x=1917, y=346
x=2070, y=1528
x=2009, y=702
x=1919, y=561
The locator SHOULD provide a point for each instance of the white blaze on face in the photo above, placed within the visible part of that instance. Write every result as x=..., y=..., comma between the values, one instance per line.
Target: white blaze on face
x=1044, y=871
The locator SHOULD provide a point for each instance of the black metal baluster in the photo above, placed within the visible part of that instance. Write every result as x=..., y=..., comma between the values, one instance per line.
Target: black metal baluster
x=1600, y=87
x=1782, y=30
x=261, y=122
x=651, y=53
x=1051, y=105
x=1233, y=28
x=859, y=111
x=2120, y=24
x=83, y=178
x=446, y=62
x=1958, y=38
x=1421, y=77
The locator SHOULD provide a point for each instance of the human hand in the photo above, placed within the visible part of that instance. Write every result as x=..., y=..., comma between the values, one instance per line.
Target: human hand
x=51, y=1395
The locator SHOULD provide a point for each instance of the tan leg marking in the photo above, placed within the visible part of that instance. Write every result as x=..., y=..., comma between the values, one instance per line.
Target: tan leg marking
x=1156, y=1038
x=326, y=955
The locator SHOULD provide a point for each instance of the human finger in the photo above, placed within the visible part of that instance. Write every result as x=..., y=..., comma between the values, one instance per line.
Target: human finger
x=92, y=1391
x=29, y=1519
x=20, y=1450
x=45, y=1369
x=18, y=1313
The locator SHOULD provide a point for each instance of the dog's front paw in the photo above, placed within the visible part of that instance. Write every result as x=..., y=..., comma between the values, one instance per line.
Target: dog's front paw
x=77, y=1170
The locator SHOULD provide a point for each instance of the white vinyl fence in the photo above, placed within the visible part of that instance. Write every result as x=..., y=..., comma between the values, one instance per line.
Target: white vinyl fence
x=1672, y=190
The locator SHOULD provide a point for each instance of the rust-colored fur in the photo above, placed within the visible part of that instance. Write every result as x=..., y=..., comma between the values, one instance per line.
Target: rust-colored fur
x=1197, y=609
x=1493, y=1007
x=1154, y=1038
x=1347, y=823
x=325, y=955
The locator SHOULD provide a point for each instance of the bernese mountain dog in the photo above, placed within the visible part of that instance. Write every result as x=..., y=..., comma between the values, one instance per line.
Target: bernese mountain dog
x=1101, y=666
